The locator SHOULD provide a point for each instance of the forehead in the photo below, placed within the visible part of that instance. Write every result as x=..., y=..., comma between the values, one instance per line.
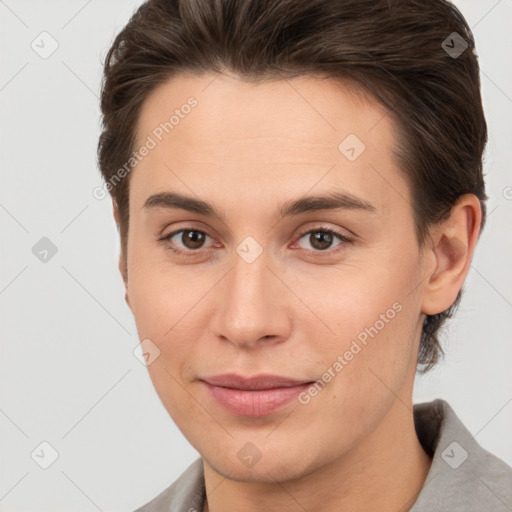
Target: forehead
x=219, y=130
x=312, y=110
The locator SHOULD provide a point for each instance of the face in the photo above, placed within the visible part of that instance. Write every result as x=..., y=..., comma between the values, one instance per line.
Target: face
x=265, y=279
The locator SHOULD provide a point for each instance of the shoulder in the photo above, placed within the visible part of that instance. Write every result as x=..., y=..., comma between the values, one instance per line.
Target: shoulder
x=463, y=476
x=185, y=494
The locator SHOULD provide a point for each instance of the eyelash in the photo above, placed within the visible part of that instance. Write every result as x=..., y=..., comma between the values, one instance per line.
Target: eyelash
x=342, y=237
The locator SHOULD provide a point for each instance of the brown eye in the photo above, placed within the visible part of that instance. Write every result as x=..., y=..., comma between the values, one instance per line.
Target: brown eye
x=187, y=240
x=321, y=240
x=193, y=239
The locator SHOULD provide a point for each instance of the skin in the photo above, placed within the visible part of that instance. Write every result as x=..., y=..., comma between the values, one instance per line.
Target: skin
x=248, y=149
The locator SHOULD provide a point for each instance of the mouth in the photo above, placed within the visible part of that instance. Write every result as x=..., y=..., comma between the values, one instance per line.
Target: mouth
x=260, y=395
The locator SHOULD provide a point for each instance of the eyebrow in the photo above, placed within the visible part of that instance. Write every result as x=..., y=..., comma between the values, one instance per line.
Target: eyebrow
x=331, y=201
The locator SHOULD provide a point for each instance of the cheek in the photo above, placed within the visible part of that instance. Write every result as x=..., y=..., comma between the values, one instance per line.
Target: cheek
x=357, y=300
x=364, y=366
x=153, y=303
x=167, y=302
x=157, y=291
x=372, y=337
x=368, y=328
x=163, y=308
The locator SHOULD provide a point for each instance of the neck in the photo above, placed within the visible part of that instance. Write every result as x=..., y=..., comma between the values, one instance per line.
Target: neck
x=385, y=471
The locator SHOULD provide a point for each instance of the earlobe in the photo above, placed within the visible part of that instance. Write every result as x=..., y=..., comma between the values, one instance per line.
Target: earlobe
x=453, y=244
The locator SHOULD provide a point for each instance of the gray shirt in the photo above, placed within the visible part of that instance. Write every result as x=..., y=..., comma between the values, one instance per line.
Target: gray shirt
x=463, y=476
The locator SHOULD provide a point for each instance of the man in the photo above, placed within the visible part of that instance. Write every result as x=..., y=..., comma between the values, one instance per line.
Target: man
x=298, y=187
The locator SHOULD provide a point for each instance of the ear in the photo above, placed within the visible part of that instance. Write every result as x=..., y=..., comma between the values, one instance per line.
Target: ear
x=449, y=255
x=122, y=265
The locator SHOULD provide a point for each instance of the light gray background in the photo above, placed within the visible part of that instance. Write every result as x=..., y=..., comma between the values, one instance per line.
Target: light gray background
x=68, y=375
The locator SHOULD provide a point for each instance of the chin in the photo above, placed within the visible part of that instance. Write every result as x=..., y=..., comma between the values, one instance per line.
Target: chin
x=272, y=467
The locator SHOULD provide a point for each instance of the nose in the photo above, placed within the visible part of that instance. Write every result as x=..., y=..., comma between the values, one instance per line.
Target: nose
x=252, y=305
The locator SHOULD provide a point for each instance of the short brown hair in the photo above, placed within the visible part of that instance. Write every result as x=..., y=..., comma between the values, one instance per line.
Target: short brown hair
x=398, y=51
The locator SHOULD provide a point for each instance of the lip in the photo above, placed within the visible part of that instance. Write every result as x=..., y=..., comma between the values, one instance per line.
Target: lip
x=260, y=395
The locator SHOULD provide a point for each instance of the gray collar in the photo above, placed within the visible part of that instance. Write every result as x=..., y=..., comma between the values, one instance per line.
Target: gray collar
x=463, y=476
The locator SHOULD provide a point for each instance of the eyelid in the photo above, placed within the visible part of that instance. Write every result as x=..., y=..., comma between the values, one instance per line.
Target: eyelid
x=344, y=233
